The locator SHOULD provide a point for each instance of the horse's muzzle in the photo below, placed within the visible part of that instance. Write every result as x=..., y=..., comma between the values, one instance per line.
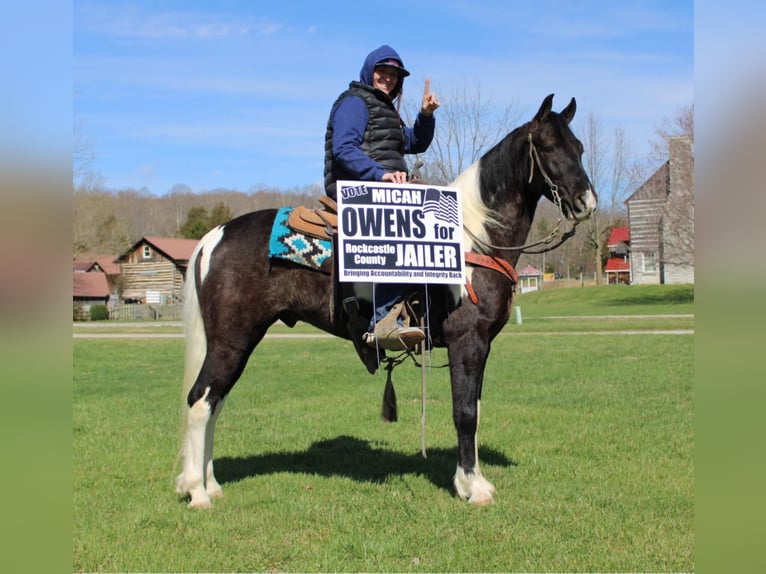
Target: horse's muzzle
x=582, y=207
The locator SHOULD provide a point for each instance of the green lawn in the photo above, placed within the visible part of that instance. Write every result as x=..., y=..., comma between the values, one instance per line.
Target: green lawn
x=588, y=440
x=608, y=300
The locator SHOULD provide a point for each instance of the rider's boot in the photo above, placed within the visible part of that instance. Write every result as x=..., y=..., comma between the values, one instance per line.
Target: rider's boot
x=393, y=332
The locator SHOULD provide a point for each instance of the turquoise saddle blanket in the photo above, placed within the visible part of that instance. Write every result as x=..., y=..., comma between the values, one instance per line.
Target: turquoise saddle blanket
x=286, y=243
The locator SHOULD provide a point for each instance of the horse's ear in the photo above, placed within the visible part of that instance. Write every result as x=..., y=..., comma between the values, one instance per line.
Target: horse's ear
x=545, y=108
x=568, y=112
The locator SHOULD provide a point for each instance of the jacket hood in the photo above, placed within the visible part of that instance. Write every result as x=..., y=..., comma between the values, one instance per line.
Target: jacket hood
x=377, y=56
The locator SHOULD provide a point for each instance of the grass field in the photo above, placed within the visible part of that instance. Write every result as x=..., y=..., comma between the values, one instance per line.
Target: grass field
x=588, y=440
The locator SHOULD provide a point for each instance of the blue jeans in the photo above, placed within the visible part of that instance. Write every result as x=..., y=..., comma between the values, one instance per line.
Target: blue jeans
x=386, y=296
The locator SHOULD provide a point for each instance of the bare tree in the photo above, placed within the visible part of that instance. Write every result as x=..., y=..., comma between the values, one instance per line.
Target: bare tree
x=610, y=170
x=83, y=155
x=467, y=126
x=681, y=124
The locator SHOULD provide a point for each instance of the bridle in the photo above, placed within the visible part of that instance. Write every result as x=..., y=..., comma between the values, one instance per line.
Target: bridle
x=534, y=160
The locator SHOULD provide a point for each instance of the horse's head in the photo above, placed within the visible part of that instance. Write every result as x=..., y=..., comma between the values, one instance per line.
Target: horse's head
x=556, y=159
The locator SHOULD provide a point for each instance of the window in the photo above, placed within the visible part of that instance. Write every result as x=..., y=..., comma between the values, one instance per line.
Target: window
x=147, y=252
x=650, y=262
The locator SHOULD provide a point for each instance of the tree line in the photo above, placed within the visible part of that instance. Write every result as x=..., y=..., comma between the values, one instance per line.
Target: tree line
x=109, y=221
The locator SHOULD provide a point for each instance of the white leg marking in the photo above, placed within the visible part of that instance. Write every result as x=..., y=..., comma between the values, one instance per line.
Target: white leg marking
x=212, y=487
x=472, y=486
x=191, y=481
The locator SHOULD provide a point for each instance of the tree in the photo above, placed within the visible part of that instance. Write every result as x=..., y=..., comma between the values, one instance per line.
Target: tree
x=83, y=155
x=467, y=127
x=606, y=161
x=219, y=215
x=196, y=224
x=681, y=124
x=199, y=221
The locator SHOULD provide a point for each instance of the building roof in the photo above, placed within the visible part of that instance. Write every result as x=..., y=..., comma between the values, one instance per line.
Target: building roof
x=91, y=285
x=529, y=270
x=179, y=250
x=656, y=187
x=659, y=184
x=89, y=262
x=617, y=264
x=617, y=235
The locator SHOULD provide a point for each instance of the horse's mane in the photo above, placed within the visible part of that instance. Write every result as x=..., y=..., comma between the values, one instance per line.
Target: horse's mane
x=484, y=182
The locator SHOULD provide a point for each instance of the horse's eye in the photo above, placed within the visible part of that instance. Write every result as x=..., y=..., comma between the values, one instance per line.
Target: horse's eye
x=547, y=148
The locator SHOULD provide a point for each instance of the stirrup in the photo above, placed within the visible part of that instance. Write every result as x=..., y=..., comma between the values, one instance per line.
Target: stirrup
x=397, y=339
x=392, y=336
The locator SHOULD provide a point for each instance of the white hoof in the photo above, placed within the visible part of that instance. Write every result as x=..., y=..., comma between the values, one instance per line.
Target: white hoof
x=474, y=488
x=214, y=490
x=200, y=502
x=482, y=498
x=199, y=497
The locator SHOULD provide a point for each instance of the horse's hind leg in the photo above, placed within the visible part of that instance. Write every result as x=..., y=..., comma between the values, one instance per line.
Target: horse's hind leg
x=221, y=369
x=212, y=488
x=191, y=481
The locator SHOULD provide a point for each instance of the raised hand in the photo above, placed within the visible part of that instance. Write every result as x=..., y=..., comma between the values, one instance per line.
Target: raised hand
x=430, y=101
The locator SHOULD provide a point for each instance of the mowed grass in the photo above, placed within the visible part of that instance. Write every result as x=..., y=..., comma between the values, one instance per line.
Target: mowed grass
x=587, y=438
x=604, y=300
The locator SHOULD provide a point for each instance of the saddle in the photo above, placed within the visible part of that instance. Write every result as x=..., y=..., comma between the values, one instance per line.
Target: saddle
x=319, y=223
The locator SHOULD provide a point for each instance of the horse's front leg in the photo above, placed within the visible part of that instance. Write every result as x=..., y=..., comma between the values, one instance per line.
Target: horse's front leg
x=467, y=360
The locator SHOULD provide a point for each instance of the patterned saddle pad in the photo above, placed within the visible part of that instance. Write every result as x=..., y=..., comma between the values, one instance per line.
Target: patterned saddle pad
x=286, y=243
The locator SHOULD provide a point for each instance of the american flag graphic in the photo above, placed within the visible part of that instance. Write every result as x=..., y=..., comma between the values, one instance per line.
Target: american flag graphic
x=443, y=204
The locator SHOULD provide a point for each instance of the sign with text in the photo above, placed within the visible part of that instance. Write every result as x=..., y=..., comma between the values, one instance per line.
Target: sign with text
x=399, y=233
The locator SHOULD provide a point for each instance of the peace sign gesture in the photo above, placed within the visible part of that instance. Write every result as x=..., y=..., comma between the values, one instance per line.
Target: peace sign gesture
x=430, y=101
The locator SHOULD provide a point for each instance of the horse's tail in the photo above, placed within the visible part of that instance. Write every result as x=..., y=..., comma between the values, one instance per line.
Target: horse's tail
x=194, y=325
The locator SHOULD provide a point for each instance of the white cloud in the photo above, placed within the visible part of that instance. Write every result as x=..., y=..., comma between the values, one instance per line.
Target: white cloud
x=133, y=22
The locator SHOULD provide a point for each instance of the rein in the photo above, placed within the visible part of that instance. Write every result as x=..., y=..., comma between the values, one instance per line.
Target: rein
x=534, y=159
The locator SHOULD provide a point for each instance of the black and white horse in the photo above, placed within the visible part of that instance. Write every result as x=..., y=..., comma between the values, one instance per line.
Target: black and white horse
x=234, y=292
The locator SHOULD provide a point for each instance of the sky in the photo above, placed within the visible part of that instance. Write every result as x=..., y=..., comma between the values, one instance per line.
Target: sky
x=236, y=94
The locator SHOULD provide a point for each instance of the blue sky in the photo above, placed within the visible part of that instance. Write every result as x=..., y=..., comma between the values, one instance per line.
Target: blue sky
x=236, y=94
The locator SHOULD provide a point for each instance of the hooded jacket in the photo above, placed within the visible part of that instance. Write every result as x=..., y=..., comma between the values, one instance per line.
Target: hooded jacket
x=365, y=136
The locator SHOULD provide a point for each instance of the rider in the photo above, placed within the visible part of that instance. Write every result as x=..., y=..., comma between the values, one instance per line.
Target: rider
x=366, y=140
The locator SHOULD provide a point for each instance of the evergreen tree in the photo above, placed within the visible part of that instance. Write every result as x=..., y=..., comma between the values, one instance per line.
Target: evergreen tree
x=197, y=223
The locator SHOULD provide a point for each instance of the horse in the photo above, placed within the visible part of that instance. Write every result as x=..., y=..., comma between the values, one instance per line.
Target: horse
x=234, y=292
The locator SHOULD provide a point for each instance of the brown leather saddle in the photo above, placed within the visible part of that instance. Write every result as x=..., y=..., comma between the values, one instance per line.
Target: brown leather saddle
x=319, y=223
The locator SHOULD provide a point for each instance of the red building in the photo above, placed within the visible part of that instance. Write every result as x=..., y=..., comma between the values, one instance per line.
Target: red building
x=618, y=265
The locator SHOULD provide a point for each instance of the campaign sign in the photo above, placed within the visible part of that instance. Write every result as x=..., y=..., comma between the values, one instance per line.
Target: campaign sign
x=399, y=233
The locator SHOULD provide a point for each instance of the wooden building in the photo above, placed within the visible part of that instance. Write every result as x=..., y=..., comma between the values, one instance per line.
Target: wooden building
x=530, y=279
x=153, y=269
x=661, y=220
x=95, y=281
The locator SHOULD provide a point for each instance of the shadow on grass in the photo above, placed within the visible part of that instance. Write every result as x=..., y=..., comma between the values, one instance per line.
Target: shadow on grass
x=353, y=458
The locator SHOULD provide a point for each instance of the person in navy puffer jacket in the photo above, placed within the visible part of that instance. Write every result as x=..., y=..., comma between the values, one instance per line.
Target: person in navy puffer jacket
x=366, y=140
